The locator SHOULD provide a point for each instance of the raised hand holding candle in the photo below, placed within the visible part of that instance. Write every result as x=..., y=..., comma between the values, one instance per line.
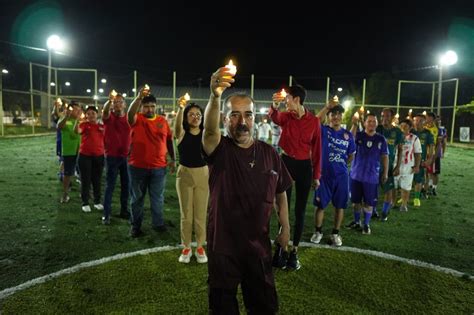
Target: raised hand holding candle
x=187, y=97
x=283, y=93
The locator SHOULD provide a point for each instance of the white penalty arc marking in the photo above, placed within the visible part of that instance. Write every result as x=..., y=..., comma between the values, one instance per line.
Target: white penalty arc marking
x=7, y=292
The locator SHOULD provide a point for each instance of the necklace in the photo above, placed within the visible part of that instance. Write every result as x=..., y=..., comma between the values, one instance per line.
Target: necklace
x=252, y=164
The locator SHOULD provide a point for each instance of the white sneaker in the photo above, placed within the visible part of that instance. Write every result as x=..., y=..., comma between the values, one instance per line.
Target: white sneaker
x=201, y=256
x=316, y=238
x=336, y=240
x=86, y=208
x=99, y=206
x=186, y=254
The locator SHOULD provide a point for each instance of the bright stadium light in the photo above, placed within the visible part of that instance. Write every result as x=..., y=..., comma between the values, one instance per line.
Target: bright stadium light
x=52, y=84
x=95, y=97
x=134, y=90
x=67, y=83
x=263, y=110
x=449, y=58
x=54, y=43
x=88, y=90
x=346, y=104
x=339, y=89
x=101, y=90
x=4, y=71
x=103, y=81
x=124, y=94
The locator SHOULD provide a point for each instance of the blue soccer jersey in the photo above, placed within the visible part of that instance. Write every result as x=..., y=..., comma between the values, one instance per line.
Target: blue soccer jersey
x=366, y=165
x=336, y=147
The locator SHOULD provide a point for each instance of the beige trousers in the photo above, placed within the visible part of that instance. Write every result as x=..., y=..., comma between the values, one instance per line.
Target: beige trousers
x=193, y=193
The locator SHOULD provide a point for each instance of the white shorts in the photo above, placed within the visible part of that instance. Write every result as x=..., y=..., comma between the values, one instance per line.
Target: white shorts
x=404, y=181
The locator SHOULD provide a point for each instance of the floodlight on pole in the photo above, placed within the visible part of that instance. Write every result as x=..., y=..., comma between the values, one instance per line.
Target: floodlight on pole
x=88, y=90
x=449, y=58
x=4, y=71
x=339, y=89
x=55, y=43
x=67, y=83
x=103, y=81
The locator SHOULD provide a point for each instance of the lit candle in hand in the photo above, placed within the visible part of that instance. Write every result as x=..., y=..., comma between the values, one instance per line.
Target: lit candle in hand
x=59, y=101
x=232, y=68
x=283, y=93
x=113, y=93
x=82, y=116
x=187, y=97
x=397, y=116
x=424, y=112
x=146, y=87
x=356, y=115
x=362, y=109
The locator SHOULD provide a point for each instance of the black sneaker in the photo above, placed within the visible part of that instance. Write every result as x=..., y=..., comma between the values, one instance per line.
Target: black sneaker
x=135, y=232
x=353, y=225
x=375, y=214
x=366, y=230
x=280, y=257
x=293, y=263
x=433, y=192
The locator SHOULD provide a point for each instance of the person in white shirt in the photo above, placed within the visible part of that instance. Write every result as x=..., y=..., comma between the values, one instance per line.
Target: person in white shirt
x=276, y=132
x=263, y=131
x=410, y=162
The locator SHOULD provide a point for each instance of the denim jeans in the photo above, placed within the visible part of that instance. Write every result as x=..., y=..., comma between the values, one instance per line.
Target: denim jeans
x=141, y=180
x=115, y=165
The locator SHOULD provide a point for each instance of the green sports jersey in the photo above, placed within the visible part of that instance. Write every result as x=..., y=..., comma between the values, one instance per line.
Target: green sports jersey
x=70, y=140
x=394, y=137
x=426, y=138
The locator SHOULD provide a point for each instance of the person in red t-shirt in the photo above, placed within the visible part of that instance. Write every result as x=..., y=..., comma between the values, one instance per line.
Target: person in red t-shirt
x=151, y=141
x=300, y=143
x=246, y=176
x=117, y=145
x=91, y=157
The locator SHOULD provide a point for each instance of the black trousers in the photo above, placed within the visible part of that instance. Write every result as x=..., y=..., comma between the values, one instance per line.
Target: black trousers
x=302, y=173
x=91, y=172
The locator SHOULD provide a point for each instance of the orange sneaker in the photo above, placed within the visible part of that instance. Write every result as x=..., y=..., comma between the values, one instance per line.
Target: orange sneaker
x=201, y=256
x=186, y=254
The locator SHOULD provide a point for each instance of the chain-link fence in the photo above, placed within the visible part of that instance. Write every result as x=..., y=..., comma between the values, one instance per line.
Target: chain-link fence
x=27, y=105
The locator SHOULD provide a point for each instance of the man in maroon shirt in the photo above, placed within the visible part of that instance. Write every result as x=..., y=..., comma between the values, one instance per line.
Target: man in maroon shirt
x=117, y=145
x=300, y=143
x=246, y=176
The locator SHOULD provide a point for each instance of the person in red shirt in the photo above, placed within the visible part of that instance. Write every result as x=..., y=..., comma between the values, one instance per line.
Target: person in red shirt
x=246, y=176
x=300, y=143
x=151, y=141
x=117, y=145
x=91, y=157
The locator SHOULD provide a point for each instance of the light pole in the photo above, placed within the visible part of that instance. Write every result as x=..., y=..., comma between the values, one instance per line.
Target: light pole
x=447, y=59
x=53, y=43
x=4, y=71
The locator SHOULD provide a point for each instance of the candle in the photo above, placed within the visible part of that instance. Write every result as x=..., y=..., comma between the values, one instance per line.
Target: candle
x=424, y=112
x=59, y=101
x=146, y=87
x=410, y=111
x=335, y=99
x=408, y=117
x=362, y=109
x=368, y=111
x=356, y=115
x=113, y=93
x=70, y=107
x=232, y=68
x=82, y=116
x=394, y=124
x=283, y=93
x=397, y=115
x=187, y=97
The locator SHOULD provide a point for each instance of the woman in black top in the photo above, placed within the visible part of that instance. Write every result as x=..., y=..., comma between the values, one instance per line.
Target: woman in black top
x=191, y=180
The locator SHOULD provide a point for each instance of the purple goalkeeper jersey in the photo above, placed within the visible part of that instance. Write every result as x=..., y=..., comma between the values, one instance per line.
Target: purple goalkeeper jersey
x=366, y=164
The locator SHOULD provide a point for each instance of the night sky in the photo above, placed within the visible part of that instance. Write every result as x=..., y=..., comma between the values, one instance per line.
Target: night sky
x=195, y=39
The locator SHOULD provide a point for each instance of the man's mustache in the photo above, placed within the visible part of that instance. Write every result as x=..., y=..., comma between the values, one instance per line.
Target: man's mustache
x=242, y=128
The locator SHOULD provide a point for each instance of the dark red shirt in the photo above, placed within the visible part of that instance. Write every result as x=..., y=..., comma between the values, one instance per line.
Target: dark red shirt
x=300, y=138
x=241, y=197
x=92, y=139
x=117, y=135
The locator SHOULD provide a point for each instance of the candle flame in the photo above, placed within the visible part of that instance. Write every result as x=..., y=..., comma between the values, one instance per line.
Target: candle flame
x=356, y=115
x=283, y=93
x=187, y=97
x=82, y=116
x=394, y=124
x=232, y=68
x=146, y=87
x=368, y=111
x=397, y=115
x=113, y=93
x=410, y=111
x=59, y=101
x=362, y=109
x=424, y=112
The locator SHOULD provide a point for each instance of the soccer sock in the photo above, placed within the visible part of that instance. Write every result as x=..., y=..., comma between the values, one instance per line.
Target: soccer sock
x=367, y=216
x=335, y=231
x=417, y=194
x=386, y=207
x=356, y=216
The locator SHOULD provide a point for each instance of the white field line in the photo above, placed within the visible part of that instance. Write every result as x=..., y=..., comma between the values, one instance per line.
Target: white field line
x=7, y=292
